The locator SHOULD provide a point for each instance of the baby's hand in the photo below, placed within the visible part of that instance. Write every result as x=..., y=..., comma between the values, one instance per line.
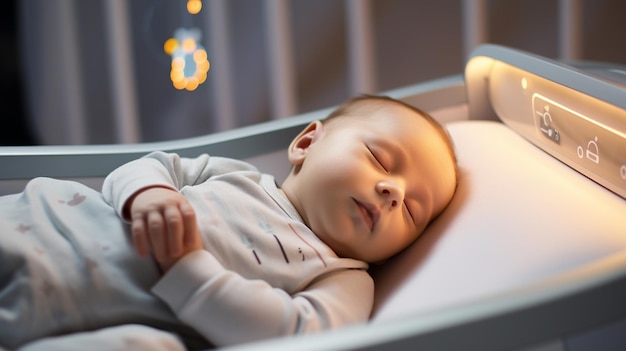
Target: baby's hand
x=164, y=224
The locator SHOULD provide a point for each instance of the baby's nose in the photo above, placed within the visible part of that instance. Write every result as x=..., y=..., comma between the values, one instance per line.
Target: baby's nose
x=392, y=193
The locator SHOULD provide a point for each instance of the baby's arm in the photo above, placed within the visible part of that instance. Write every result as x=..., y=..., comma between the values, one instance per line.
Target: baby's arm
x=228, y=309
x=162, y=223
x=157, y=177
x=166, y=170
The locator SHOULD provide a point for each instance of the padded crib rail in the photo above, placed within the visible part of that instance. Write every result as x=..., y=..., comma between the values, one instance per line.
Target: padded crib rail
x=81, y=161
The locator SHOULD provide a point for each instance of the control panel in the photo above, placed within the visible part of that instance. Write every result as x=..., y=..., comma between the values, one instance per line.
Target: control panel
x=582, y=131
x=582, y=139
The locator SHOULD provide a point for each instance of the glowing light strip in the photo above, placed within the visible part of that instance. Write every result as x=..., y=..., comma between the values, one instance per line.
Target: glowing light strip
x=588, y=119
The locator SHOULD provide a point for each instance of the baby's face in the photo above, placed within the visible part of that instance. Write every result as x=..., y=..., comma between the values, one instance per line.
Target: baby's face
x=368, y=186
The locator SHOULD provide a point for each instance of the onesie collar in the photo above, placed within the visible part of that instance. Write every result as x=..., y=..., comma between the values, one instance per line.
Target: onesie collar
x=271, y=188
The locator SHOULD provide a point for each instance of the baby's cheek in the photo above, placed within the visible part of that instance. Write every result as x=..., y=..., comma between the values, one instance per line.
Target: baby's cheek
x=400, y=237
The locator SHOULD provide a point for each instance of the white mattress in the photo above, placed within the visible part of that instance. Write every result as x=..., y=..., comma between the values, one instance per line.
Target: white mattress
x=519, y=216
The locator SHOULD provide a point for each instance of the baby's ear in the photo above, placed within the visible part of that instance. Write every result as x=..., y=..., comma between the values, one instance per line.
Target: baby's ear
x=300, y=144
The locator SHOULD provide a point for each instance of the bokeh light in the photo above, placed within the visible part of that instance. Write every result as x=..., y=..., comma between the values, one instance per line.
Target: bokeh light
x=194, y=6
x=189, y=59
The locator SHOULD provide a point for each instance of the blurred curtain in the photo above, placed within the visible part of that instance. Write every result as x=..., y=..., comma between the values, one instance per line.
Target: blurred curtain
x=96, y=72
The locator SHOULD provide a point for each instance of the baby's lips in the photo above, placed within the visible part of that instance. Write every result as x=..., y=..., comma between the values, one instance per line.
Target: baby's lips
x=369, y=214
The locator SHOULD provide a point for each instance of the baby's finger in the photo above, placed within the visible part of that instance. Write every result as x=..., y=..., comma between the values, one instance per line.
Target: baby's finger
x=140, y=239
x=174, y=224
x=190, y=224
x=156, y=232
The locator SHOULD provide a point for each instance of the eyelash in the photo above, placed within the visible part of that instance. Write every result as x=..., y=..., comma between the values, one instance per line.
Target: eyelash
x=377, y=159
x=409, y=211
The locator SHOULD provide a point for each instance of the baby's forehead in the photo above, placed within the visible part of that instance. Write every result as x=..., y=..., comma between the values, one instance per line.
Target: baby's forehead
x=402, y=123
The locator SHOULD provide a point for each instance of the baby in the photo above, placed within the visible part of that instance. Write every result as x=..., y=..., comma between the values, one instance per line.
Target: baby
x=209, y=248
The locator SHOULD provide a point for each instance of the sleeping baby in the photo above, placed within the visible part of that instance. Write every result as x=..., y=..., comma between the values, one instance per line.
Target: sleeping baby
x=185, y=253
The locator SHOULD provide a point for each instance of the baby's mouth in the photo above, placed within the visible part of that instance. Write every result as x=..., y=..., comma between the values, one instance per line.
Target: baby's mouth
x=369, y=214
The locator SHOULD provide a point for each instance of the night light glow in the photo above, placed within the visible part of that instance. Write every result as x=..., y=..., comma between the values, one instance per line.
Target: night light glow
x=189, y=59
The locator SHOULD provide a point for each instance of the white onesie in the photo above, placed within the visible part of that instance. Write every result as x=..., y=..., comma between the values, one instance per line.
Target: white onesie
x=65, y=256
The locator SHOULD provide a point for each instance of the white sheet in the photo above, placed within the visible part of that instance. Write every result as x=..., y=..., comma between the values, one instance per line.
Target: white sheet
x=519, y=216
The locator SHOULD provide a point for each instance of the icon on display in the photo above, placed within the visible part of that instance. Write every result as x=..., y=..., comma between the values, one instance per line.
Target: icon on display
x=591, y=152
x=580, y=135
x=545, y=125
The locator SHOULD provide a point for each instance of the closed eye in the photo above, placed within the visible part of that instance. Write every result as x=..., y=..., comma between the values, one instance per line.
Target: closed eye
x=377, y=159
x=408, y=210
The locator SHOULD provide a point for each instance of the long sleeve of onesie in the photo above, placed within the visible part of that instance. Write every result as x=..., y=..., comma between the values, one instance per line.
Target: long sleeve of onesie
x=167, y=170
x=229, y=309
x=222, y=298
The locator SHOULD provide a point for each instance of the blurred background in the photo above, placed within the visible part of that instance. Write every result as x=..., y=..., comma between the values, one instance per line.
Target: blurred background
x=122, y=71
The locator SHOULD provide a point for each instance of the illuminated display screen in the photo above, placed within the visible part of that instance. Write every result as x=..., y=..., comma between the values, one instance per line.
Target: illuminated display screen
x=582, y=139
x=582, y=131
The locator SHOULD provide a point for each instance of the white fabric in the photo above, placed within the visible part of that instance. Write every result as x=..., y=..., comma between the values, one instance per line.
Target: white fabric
x=120, y=338
x=67, y=265
x=519, y=216
x=264, y=273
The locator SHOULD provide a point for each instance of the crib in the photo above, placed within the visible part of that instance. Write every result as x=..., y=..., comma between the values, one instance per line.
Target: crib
x=530, y=254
